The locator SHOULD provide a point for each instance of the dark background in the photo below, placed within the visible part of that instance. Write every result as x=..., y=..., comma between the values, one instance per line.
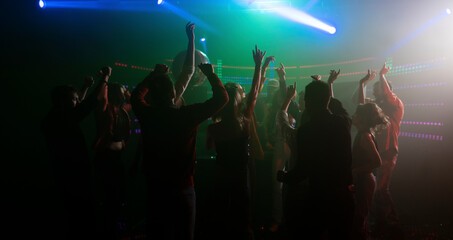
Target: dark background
x=42, y=48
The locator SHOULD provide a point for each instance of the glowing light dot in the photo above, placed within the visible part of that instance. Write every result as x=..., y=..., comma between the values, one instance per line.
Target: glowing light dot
x=159, y=2
x=42, y=4
x=448, y=11
x=202, y=39
x=332, y=30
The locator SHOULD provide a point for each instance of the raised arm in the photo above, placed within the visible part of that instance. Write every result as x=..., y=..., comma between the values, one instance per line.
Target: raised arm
x=188, y=67
x=266, y=63
x=258, y=56
x=89, y=81
x=359, y=95
x=127, y=96
x=98, y=95
x=290, y=94
x=201, y=111
x=137, y=98
x=332, y=77
x=282, y=81
x=389, y=95
x=138, y=101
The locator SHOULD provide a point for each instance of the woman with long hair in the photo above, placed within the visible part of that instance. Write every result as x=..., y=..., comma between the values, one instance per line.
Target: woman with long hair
x=365, y=159
x=230, y=137
x=113, y=125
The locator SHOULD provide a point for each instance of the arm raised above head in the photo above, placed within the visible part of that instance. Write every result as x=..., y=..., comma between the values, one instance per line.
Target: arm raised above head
x=359, y=94
x=258, y=56
x=189, y=64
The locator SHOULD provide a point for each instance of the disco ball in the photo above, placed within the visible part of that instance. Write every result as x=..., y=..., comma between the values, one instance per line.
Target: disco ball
x=198, y=77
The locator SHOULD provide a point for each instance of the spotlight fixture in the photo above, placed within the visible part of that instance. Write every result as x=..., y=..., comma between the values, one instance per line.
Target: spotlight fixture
x=41, y=4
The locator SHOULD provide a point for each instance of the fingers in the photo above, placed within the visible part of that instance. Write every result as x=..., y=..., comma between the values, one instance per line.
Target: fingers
x=282, y=66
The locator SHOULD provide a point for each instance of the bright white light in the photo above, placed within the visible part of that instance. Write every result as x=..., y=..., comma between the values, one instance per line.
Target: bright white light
x=159, y=2
x=202, y=39
x=302, y=17
x=42, y=4
x=332, y=30
x=448, y=11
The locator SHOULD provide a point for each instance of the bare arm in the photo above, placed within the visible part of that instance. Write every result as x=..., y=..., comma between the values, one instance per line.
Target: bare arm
x=188, y=67
x=201, y=111
x=263, y=71
x=290, y=94
x=385, y=86
x=89, y=81
x=98, y=95
x=359, y=95
x=282, y=80
x=258, y=56
x=332, y=77
x=104, y=75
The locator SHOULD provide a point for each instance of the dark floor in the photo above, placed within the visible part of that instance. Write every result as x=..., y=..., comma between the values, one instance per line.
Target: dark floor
x=409, y=232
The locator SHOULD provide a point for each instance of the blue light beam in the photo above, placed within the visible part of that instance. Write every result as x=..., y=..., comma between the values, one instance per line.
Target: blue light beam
x=303, y=18
x=139, y=6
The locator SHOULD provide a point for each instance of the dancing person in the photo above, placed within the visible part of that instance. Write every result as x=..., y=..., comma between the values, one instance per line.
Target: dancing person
x=282, y=152
x=255, y=148
x=169, y=135
x=365, y=159
x=294, y=196
x=386, y=217
x=113, y=131
x=230, y=137
x=70, y=157
x=324, y=158
x=335, y=105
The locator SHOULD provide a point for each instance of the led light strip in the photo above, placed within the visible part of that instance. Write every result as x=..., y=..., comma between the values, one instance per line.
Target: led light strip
x=440, y=124
x=422, y=136
x=417, y=67
x=423, y=104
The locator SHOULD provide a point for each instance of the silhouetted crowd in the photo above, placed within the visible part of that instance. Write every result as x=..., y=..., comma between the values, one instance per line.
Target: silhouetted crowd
x=325, y=184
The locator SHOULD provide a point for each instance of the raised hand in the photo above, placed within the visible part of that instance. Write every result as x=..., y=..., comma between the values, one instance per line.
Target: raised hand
x=206, y=68
x=384, y=69
x=161, y=68
x=268, y=60
x=291, y=92
x=190, y=27
x=333, y=76
x=89, y=81
x=370, y=76
x=105, y=72
x=258, y=56
x=281, y=71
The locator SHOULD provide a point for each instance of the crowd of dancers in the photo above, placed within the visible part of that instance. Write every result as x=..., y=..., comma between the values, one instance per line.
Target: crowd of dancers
x=324, y=183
